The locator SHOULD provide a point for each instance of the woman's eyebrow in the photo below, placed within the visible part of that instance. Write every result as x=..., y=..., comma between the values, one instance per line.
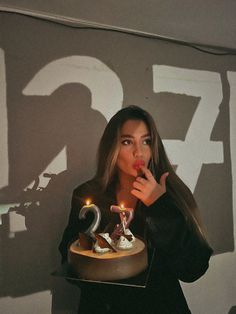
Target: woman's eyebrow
x=127, y=135
x=131, y=136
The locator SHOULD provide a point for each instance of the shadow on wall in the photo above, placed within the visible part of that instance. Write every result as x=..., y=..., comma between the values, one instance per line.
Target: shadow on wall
x=46, y=125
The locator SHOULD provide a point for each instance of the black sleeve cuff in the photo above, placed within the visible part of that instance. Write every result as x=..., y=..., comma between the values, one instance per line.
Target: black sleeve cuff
x=163, y=207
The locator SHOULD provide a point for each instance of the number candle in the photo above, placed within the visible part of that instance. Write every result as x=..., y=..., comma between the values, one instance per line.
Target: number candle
x=123, y=212
x=97, y=217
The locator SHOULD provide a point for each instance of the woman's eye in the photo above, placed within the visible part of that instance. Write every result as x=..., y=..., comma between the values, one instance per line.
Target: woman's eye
x=147, y=141
x=126, y=142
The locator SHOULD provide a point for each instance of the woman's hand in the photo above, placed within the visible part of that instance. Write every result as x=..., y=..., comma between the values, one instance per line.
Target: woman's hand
x=147, y=189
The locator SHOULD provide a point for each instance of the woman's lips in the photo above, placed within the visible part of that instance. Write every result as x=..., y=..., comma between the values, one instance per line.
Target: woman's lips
x=138, y=163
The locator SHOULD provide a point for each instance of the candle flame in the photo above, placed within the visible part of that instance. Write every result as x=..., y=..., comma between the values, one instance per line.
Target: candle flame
x=88, y=202
x=122, y=206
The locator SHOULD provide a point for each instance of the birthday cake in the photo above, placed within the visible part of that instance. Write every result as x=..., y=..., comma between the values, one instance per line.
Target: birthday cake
x=104, y=256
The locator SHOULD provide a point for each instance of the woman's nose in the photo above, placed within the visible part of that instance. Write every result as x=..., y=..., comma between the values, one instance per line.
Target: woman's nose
x=138, y=150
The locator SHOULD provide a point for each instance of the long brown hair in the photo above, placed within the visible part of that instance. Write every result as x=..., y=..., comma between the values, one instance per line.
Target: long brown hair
x=159, y=163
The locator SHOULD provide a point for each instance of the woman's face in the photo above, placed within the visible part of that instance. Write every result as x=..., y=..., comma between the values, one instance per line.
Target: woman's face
x=135, y=148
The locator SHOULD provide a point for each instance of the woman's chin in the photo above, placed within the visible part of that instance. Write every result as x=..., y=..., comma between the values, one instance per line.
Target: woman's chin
x=132, y=173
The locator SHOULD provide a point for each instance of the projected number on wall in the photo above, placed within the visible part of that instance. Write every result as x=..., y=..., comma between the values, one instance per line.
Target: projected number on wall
x=103, y=83
x=4, y=166
x=107, y=97
x=186, y=154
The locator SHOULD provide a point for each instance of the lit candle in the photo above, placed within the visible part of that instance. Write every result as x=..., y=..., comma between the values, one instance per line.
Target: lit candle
x=97, y=217
x=123, y=212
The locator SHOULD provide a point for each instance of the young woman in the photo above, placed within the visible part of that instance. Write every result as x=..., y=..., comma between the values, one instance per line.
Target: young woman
x=133, y=168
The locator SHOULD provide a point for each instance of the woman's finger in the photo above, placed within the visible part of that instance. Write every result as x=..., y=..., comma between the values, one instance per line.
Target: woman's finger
x=141, y=180
x=137, y=193
x=147, y=173
x=137, y=185
x=163, y=179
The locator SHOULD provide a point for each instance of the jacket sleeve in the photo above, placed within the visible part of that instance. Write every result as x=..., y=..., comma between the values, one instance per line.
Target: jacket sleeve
x=186, y=254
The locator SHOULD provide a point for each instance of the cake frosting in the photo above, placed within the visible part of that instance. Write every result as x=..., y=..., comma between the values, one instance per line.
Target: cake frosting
x=98, y=249
x=124, y=244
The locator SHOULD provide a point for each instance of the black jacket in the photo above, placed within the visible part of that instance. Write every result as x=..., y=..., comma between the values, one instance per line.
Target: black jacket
x=180, y=254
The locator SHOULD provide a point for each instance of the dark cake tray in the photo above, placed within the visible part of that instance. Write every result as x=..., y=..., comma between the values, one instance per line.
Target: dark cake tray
x=139, y=281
